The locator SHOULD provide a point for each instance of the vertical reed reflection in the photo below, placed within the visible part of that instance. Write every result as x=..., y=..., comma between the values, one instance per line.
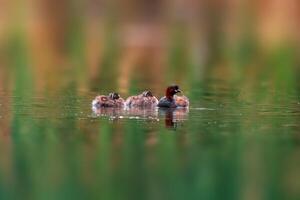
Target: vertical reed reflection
x=236, y=60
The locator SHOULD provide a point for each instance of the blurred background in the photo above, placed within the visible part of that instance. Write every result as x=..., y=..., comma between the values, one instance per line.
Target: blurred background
x=237, y=61
x=114, y=44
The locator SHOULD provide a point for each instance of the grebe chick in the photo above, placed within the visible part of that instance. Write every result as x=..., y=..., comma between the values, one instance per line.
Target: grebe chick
x=171, y=100
x=181, y=101
x=146, y=99
x=111, y=100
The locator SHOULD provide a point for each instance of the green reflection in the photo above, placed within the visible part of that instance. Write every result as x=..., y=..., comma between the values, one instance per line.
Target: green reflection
x=238, y=140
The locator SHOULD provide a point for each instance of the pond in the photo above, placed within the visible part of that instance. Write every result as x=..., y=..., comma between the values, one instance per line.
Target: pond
x=237, y=61
x=230, y=144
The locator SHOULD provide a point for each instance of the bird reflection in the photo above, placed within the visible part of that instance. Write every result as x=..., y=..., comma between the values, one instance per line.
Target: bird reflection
x=172, y=116
x=112, y=112
x=130, y=113
x=143, y=113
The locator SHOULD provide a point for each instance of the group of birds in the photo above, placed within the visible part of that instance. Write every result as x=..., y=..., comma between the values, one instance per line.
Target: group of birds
x=144, y=100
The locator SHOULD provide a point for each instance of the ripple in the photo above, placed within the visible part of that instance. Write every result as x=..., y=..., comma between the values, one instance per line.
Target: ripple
x=202, y=109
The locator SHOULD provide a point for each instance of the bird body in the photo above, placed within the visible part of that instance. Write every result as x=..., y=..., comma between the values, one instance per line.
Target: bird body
x=111, y=100
x=171, y=100
x=181, y=101
x=143, y=100
x=146, y=99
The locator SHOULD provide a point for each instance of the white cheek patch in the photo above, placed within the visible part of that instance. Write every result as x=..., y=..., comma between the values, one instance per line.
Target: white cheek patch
x=94, y=103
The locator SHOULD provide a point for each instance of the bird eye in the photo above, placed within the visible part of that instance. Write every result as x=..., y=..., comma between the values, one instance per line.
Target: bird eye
x=149, y=94
x=116, y=96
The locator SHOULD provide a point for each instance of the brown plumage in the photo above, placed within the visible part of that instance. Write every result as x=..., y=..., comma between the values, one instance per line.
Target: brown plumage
x=111, y=100
x=146, y=99
x=171, y=100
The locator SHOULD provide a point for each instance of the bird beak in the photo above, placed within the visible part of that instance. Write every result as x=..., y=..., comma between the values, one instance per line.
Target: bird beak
x=178, y=90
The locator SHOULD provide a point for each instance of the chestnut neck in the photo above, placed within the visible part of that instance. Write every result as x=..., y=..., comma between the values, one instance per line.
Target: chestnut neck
x=169, y=94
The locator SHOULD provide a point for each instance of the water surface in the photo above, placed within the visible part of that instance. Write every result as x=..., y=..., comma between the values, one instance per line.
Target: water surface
x=230, y=144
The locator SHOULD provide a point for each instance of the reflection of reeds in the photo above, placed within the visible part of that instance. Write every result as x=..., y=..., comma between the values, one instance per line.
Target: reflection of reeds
x=6, y=162
x=57, y=45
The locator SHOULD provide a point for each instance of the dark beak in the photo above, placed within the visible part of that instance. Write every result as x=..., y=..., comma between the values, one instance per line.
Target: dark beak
x=178, y=90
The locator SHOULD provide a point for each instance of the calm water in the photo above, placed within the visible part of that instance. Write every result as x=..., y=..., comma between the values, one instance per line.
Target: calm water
x=230, y=144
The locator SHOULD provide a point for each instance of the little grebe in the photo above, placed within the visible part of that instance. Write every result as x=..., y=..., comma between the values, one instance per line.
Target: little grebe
x=112, y=100
x=146, y=99
x=171, y=100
